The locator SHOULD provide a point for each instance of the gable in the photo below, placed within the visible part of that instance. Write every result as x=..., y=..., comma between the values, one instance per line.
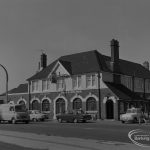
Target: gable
x=59, y=70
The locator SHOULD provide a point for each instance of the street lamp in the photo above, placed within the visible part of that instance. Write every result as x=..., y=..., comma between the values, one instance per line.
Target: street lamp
x=6, y=81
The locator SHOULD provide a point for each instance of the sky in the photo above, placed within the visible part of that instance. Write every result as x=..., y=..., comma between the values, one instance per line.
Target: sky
x=62, y=27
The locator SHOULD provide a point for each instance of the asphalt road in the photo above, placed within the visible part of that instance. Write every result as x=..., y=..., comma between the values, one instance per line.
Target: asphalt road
x=100, y=130
x=4, y=146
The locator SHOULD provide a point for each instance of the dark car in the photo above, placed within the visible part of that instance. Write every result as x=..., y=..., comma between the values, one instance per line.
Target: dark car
x=76, y=116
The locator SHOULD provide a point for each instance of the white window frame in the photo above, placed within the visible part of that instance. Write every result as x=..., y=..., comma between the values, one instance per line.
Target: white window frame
x=90, y=77
x=47, y=84
x=44, y=85
x=76, y=82
x=35, y=86
x=60, y=84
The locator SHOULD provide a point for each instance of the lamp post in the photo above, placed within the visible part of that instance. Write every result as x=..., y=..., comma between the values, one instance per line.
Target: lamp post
x=6, y=81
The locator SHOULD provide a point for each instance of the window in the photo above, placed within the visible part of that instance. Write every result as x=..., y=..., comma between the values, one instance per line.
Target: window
x=60, y=106
x=44, y=85
x=93, y=80
x=35, y=86
x=45, y=105
x=35, y=105
x=22, y=103
x=90, y=81
x=91, y=104
x=77, y=103
x=48, y=84
x=147, y=84
x=139, y=83
x=76, y=82
x=126, y=81
x=60, y=84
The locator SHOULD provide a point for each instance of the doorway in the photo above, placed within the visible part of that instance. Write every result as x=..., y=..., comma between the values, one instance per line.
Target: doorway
x=109, y=109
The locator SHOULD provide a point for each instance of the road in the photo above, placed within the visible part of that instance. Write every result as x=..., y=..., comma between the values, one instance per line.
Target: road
x=102, y=131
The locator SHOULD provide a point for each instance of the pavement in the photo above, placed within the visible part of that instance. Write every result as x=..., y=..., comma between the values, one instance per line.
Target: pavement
x=44, y=142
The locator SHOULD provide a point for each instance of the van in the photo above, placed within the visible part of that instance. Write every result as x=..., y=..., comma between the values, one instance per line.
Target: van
x=14, y=113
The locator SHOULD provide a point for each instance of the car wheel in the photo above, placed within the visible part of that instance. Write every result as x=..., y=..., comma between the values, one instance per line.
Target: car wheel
x=60, y=120
x=75, y=121
x=26, y=122
x=34, y=120
x=135, y=120
x=123, y=121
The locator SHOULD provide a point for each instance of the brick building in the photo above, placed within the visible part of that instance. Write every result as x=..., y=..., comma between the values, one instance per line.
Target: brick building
x=101, y=85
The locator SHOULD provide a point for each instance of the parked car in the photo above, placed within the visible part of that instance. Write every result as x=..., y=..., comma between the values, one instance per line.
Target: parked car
x=76, y=116
x=132, y=115
x=13, y=113
x=36, y=115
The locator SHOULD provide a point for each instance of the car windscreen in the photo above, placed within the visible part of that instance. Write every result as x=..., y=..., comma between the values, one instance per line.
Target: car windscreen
x=133, y=111
x=20, y=108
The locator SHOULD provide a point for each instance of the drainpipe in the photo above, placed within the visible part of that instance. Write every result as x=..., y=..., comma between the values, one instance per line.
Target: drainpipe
x=6, y=82
x=29, y=93
x=99, y=95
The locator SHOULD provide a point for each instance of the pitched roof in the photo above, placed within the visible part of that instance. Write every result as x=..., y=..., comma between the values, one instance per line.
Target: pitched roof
x=78, y=63
x=43, y=73
x=92, y=61
x=84, y=62
x=22, y=88
x=130, y=68
x=122, y=92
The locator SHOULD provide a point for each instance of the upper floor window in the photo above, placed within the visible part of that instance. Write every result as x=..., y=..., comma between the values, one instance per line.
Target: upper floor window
x=44, y=85
x=60, y=84
x=76, y=82
x=48, y=84
x=127, y=81
x=139, y=83
x=90, y=80
x=35, y=86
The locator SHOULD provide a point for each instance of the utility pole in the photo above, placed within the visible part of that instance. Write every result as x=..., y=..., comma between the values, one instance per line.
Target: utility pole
x=6, y=81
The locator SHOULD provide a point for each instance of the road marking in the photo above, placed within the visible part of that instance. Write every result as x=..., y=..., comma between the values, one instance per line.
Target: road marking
x=36, y=141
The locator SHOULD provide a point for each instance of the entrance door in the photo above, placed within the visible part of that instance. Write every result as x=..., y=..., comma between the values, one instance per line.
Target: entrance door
x=110, y=109
x=60, y=106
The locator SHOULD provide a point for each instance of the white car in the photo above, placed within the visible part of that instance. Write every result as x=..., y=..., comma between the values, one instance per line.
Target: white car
x=132, y=115
x=36, y=115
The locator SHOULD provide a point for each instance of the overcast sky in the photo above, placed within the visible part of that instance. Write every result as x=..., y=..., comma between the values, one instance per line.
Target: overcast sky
x=63, y=27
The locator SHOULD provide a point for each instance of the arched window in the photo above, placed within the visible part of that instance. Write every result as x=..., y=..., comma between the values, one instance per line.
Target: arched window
x=22, y=102
x=60, y=106
x=35, y=105
x=77, y=103
x=45, y=105
x=91, y=104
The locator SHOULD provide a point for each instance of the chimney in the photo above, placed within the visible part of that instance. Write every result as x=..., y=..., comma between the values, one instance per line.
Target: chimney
x=146, y=65
x=114, y=55
x=114, y=62
x=43, y=62
x=114, y=50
